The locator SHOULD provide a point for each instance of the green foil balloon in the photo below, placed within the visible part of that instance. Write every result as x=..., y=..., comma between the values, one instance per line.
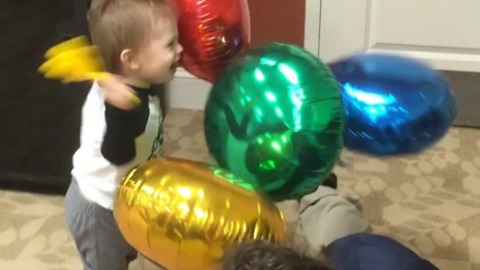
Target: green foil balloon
x=275, y=117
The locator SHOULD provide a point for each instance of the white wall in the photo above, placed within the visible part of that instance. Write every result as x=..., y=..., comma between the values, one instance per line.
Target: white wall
x=187, y=92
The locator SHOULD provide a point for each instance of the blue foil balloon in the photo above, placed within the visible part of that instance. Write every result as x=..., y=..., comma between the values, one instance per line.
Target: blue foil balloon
x=394, y=105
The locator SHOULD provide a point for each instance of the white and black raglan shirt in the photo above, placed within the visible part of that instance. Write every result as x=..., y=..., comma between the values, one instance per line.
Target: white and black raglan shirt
x=113, y=141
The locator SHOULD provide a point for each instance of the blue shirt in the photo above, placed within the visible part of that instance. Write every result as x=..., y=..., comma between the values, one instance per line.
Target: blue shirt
x=365, y=251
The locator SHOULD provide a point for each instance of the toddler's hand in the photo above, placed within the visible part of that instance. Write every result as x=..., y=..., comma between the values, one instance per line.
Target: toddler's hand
x=119, y=94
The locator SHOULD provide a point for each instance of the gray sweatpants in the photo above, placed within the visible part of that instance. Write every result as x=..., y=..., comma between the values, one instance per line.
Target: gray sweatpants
x=322, y=217
x=96, y=235
x=327, y=215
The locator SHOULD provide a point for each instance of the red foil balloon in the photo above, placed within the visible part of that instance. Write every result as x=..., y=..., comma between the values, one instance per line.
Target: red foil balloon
x=211, y=32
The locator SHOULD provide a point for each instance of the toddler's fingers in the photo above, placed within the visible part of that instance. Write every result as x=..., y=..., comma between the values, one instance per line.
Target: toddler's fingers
x=116, y=90
x=130, y=95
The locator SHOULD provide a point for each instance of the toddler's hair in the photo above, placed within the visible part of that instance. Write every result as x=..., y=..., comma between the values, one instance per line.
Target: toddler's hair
x=116, y=25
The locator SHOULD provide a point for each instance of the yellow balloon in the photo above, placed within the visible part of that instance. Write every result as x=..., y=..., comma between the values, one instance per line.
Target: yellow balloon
x=185, y=215
x=71, y=44
x=73, y=61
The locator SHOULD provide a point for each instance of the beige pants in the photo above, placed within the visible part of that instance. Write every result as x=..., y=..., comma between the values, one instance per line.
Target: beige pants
x=321, y=217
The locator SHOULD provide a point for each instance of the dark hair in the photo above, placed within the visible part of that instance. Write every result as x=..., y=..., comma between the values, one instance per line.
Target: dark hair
x=262, y=255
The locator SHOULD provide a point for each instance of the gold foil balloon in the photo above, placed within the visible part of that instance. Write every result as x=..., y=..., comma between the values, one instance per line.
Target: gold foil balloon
x=185, y=215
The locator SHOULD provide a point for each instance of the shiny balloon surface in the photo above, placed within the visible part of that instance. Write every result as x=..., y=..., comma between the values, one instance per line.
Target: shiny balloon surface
x=394, y=105
x=275, y=118
x=73, y=60
x=212, y=32
x=185, y=215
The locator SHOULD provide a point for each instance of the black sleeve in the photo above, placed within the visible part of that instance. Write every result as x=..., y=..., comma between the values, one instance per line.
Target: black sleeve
x=118, y=145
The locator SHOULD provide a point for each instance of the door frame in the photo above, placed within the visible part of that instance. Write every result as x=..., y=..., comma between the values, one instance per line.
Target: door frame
x=313, y=10
x=188, y=92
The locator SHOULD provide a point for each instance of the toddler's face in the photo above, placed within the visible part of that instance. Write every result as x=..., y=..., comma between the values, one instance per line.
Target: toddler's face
x=158, y=58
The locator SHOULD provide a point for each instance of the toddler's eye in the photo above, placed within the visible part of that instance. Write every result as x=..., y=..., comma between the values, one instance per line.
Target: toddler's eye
x=172, y=44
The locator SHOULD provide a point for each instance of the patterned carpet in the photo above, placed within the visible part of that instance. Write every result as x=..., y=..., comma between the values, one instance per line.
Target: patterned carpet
x=429, y=202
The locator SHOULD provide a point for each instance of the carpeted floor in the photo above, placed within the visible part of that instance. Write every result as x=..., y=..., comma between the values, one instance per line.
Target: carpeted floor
x=429, y=202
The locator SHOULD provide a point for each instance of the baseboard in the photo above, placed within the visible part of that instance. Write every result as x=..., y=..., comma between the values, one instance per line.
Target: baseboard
x=36, y=183
x=187, y=92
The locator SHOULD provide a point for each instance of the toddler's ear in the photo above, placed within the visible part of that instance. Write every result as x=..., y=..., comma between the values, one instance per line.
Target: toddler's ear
x=129, y=60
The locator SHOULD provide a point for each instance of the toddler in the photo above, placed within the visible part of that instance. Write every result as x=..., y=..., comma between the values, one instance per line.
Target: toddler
x=137, y=40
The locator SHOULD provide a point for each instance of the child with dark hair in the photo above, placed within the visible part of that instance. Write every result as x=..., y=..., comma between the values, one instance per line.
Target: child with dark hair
x=262, y=255
x=361, y=251
x=330, y=226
